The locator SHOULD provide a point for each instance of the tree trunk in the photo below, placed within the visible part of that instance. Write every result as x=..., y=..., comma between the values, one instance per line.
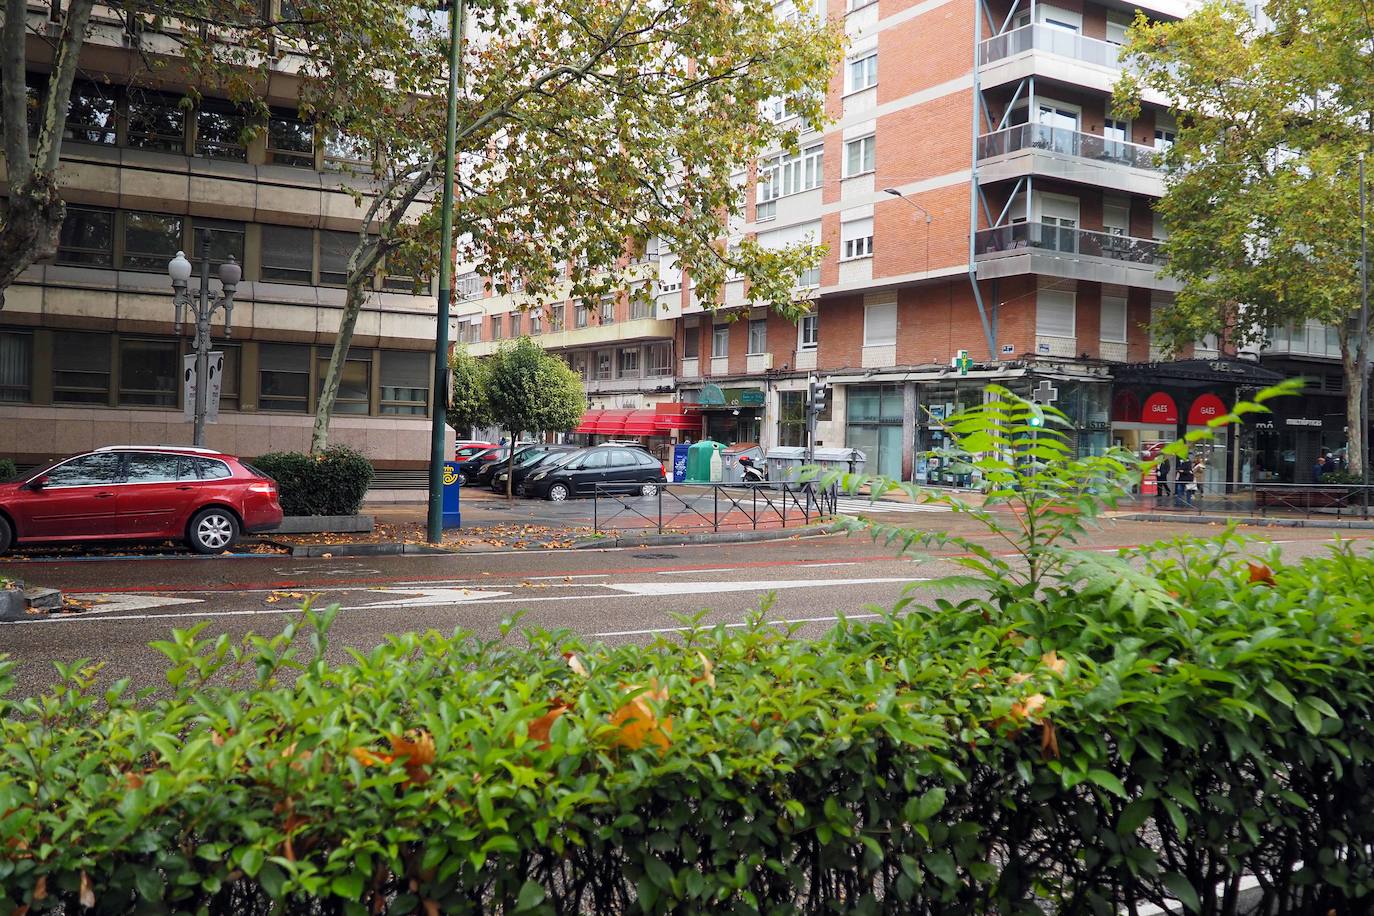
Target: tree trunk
x=1354, y=398
x=510, y=465
x=353, y=304
x=31, y=227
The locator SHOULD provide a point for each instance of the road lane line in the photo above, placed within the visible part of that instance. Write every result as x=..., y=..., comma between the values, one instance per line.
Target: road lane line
x=732, y=625
x=663, y=589
x=577, y=576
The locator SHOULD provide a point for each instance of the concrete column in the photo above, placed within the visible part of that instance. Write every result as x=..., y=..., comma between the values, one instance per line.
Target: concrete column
x=909, y=431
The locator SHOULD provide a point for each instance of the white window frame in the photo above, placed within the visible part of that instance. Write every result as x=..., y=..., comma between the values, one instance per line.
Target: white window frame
x=759, y=346
x=852, y=5
x=887, y=313
x=782, y=175
x=855, y=243
x=1117, y=332
x=809, y=332
x=720, y=333
x=867, y=155
x=861, y=72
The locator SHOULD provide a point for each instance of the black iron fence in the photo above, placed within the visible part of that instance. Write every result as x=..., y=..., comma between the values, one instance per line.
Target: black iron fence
x=1263, y=500
x=712, y=507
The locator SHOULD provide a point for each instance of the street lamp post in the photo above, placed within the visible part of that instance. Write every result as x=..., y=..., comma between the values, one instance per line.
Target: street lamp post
x=203, y=309
x=923, y=211
x=1362, y=350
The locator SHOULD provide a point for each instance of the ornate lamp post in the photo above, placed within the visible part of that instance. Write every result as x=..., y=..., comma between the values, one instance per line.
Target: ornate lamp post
x=203, y=310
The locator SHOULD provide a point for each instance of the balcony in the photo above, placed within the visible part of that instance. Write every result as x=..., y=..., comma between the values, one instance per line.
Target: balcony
x=1075, y=254
x=1052, y=53
x=1069, y=155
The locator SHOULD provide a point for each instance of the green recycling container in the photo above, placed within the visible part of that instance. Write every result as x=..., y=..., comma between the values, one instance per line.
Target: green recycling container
x=701, y=457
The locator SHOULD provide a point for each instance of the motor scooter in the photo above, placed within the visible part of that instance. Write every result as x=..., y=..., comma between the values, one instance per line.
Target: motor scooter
x=751, y=472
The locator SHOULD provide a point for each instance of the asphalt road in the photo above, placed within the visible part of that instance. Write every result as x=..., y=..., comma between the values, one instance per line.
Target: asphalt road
x=611, y=595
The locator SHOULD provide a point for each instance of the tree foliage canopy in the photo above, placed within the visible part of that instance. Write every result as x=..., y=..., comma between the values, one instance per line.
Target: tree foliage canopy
x=530, y=391
x=468, y=404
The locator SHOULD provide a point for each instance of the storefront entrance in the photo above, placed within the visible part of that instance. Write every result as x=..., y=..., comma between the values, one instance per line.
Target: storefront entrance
x=873, y=424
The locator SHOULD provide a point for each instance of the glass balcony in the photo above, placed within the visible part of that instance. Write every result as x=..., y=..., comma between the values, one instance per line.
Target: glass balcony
x=1069, y=143
x=1017, y=238
x=1052, y=40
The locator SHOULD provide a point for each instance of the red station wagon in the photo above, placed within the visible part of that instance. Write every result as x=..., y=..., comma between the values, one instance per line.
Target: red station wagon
x=143, y=493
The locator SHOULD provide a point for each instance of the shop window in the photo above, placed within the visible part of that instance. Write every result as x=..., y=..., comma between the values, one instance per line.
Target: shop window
x=91, y=114
x=86, y=237
x=150, y=241
x=792, y=418
x=284, y=378
x=355, y=385
x=221, y=131
x=405, y=383
x=16, y=367
x=226, y=238
x=156, y=121
x=149, y=373
x=335, y=250
x=290, y=141
x=81, y=368
x=287, y=254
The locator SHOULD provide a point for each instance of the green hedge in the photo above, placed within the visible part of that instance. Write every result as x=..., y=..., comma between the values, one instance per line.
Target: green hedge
x=1136, y=732
x=332, y=482
x=8, y=468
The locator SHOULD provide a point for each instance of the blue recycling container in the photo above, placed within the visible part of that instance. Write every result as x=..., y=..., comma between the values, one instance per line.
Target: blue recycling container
x=453, y=485
x=680, y=462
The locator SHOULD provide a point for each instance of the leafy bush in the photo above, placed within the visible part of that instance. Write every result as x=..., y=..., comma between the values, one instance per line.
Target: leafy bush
x=8, y=468
x=332, y=482
x=1342, y=477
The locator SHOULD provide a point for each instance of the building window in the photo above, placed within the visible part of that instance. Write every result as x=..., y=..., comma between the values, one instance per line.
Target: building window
x=810, y=277
x=34, y=85
x=287, y=254
x=784, y=174
x=86, y=238
x=1164, y=139
x=149, y=373
x=880, y=324
x=335, y=250
x=580, y=315
x=81, y=368
x=859, y=156
x=758, y=336
x=606, y=309
x=658, y=360
x=691, y=341
x=809, y=331
x=1054, y=313
x=221, y=131
x=791, y=418
x=290, y=141
x=556, y=317
x=156, y=121
x=469, y=286
x=669, y=273
x=284, y=378
x=16, y=367
x=640, y=308
x=343, y=153
x=629, y=363
x=604, y=366
x=150, y=241
x=515, y=320
x=355, y=384
x=1113, y=319
x=405, y=383
x=862, y=73
x=720, y=341
x=856, y=239
x=495, y=327
x=537, y=321
x=229, y=380
x=226, y=238
x=91, y=114
x=852, y=5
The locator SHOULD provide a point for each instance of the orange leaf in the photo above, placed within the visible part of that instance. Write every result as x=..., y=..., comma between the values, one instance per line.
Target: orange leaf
x=417, y=745
x=369, y=759
x=1052, y=661
x=540, y=727
x=1049, y=740
x=576, y=665
x=1262, y=574
x=638, y=723
x=86, y=894
x=1029, y=706
x=708, y=676
x=40, y=888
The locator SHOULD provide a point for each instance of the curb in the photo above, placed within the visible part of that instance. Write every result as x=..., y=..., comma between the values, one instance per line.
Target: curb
x=324, y=524
x=724, y=537
x=20, y=603
x=391, y=549
x=1253, y=521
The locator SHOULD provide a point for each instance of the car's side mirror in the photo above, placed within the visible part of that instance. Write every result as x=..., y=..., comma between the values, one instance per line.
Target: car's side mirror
x=39, y=482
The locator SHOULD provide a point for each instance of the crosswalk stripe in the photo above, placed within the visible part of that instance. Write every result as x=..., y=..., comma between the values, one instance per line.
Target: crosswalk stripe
x=865, y=507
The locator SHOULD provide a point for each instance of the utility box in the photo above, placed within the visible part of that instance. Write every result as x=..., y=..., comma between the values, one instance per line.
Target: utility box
x=784, y=462
x=733, y=473
x=705, y=461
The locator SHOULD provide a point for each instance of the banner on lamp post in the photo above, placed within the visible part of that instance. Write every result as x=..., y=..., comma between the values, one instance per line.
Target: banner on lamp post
x=212, y=393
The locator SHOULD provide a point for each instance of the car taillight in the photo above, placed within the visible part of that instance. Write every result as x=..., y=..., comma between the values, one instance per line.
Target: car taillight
x=262, y=488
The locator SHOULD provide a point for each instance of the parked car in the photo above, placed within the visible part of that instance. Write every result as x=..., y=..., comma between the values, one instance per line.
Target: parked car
x=469, y=448
x=488, y=470
x=614, y=468
x=526, y=462
x=469, y=467
x=145, y=493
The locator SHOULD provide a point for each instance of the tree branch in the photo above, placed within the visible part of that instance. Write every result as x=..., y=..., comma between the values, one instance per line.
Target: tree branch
x=14, y=110
x=60, y=84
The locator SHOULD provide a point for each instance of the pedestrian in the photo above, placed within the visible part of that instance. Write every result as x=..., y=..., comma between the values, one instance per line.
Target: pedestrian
x=1321, y=467
x=1184, y=487
x=1162, y=473
x=1199, y=475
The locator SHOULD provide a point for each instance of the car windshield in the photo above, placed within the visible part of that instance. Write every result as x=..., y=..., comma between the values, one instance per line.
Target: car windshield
x=529, y=457
x=555, y=459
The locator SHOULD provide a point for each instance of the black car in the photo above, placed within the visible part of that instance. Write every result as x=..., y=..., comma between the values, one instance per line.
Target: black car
x=614, y=469
x=525, y=464
x=487, y=473
x=469, y=467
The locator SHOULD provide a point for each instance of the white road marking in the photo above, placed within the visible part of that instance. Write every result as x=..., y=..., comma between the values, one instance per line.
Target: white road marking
x=864, y=507
x=111, y=603
x=697, y=588
x=432, y=597
x=732, y=625
x=560, y=578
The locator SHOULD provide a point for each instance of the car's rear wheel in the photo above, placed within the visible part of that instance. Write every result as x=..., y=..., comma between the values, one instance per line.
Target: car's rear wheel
x=6, y=534
x=213, y=530
x=649, y=489
x=558, y=492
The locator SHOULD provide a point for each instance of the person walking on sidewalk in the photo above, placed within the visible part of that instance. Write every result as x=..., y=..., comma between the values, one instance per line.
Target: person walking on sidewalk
x=1184, y=487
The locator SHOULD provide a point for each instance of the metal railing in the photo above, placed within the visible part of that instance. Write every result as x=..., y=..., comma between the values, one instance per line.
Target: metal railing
x=713, y=507
x=1015, y=238
x=1039, y=37
x=1070, y=143
x=1262, y=500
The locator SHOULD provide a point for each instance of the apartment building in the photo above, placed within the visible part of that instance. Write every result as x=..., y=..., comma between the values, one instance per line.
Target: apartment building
x=976, y=193
x=88, y=353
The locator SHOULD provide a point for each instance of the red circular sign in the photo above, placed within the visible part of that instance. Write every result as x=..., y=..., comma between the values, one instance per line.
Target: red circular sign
x=1159, y=408
x=1205, y=409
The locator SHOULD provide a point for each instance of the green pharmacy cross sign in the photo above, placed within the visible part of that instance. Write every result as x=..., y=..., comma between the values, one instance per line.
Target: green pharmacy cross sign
x=963, y=362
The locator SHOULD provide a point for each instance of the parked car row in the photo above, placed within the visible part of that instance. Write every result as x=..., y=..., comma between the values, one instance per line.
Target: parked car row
x=559, y=472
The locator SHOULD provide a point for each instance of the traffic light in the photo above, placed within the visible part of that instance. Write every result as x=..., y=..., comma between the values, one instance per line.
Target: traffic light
x=1037, y=417
x=817, y=392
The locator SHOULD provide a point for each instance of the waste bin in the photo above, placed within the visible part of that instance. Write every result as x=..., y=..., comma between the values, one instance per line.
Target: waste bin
x=784, y=461
x=680, y=462
x=848, y=460
x=732, y=472
x=705, y=463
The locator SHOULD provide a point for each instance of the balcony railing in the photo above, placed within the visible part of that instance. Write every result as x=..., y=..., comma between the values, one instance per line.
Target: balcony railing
x=1017, y=238
x=1039, y=37
x=1069, y=143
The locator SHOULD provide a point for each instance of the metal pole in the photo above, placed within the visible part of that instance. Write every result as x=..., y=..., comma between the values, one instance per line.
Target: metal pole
x=202, y=341
x=1363, y=350
x=439, y=419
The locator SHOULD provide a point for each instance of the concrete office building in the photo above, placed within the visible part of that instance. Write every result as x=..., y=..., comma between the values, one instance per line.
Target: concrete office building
x=87, y=351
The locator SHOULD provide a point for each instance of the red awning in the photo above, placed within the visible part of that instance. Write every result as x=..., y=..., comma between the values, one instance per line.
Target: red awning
x=1159, y=408
x=641, y=423
x=674, y=416
x=588, y=424
x=1207, y=407
x=611, y=422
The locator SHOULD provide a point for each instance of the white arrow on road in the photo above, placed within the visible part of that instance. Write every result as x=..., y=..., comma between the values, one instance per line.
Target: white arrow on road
x=430, y=597
x=109, y=603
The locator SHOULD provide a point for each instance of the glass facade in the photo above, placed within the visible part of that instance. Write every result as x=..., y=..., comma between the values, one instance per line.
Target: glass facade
x=873, y=424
